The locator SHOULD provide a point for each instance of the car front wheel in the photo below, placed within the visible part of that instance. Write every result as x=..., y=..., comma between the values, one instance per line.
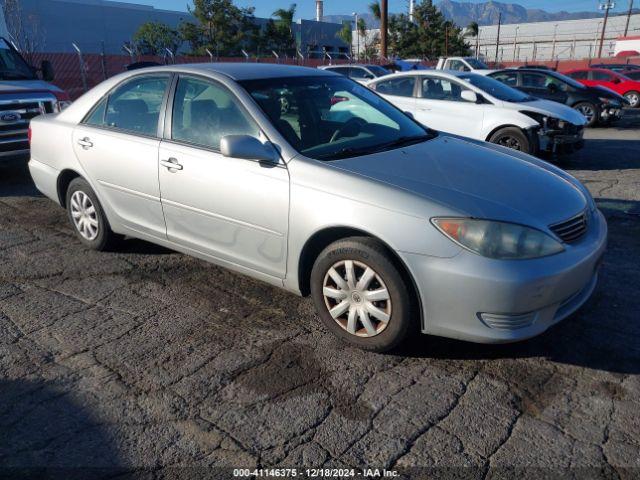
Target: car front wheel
x=513, y=138
x=633, y=98
x=87, y=216
x=361, y=295
x=588, y=111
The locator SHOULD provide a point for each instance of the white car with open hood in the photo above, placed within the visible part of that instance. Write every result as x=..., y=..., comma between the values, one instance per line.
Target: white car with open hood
x=479, y=107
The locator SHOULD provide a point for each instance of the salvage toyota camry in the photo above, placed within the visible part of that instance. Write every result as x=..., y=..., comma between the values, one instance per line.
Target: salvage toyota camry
x=392, y=228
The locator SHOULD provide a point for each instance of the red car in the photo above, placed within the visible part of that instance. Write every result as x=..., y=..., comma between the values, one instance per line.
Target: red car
x=606, y=78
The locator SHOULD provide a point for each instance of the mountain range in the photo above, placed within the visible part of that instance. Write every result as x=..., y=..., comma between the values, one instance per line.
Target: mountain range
x=486, y=13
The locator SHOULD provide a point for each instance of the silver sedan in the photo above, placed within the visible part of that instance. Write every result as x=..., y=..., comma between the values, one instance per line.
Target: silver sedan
x=391, y=227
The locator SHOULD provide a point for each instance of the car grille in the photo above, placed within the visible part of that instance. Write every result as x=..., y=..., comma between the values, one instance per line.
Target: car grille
x=572, y=229
x=16, y=112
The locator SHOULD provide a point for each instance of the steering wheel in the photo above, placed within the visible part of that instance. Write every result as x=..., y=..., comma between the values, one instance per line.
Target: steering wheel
x=349, y=129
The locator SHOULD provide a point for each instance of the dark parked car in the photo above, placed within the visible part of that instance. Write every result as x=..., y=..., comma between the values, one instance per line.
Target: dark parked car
x=633, y=74
x=598, y=105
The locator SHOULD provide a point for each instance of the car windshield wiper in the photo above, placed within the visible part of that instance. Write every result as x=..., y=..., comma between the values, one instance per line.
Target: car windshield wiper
x=398, y=142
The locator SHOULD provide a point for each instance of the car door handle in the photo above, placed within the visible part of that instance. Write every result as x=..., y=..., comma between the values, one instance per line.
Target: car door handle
x=85, y=143
x=171, y=164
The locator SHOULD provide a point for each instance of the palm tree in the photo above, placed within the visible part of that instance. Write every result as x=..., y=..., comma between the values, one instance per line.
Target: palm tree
x=473, y=30
x=361, y=29
x=374, y=8
x=285, y=21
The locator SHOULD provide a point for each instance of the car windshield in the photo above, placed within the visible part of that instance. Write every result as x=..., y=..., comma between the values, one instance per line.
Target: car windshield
x=378, y=71
x=477, y=64
x=496, y=89
x=329, y=118
x=12, y=65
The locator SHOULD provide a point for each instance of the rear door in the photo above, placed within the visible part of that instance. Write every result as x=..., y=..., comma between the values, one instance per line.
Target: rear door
x=440, y=106
x=399, y=90
x=234, y=210
x=117, y=145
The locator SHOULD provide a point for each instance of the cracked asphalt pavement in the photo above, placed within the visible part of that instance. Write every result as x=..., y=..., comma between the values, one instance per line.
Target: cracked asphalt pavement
x=150, y=361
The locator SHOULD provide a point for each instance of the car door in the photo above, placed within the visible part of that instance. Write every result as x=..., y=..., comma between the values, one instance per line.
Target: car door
x=399, y=90
x=603, y=78
x=440, y=106
x=231, y=209
x=542, y=85
x=117, y=145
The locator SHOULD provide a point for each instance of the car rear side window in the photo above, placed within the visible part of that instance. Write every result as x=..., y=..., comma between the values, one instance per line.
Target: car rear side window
x=579, y=75
x=442, y=89
x=507, y=78
x=602, y=76
x=133, y=106
x=205, y=111
x=400, y=87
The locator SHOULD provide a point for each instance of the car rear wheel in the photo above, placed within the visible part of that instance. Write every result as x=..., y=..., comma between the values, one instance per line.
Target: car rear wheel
x=360, y=294
x=589, y=111
x=87, y=217
x=633, y=98
x=513, y=138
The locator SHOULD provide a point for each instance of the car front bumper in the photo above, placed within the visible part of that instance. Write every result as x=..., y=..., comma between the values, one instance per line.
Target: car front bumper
x=561, y=142
x=473, y=298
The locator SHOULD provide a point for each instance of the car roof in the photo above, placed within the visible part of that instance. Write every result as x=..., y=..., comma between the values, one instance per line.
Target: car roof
x=245, y=71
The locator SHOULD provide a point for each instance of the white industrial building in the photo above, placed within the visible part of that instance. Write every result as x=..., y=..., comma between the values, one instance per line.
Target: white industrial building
x=569, y=39
x=563, y=40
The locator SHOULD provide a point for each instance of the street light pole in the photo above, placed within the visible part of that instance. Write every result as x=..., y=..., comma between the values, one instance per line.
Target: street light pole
x=355, y=14
x=606, y=6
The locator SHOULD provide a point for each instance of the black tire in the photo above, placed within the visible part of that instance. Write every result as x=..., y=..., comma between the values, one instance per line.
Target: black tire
x=633, y=98
x=366, y=252
x=512, y=137
x=104, y=239
x=590, y=111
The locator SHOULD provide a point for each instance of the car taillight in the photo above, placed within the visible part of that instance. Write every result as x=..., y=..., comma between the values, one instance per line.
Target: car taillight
x=29, y=135
x=63, y=100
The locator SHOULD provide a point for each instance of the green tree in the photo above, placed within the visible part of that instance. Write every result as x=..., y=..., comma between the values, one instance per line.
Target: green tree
x=473, y=29
x=152, y=38
x=284, y=37
x=376, y=11
x=428, y=36
x=345, y=33
x=222, y=27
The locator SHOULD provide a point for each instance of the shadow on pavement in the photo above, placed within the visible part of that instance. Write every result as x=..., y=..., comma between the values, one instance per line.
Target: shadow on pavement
x=15, y=180
x=45, y=433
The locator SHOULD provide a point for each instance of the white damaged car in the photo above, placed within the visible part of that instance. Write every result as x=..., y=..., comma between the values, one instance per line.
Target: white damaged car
x=479, y=107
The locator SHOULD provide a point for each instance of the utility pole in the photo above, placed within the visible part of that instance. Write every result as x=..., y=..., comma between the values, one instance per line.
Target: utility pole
x=355, y=14
x=384, y=16
x=515, y=42
x=553, y=48
x=606, y=6
x=498, y=36
x=626, y=27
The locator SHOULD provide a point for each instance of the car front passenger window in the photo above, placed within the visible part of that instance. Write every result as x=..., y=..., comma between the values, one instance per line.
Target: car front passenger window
x=204, y=112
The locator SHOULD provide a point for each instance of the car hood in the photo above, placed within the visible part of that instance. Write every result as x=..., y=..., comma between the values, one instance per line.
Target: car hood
x=475, y=179
x=549, y=108
x=18, y=86
x=606, y=92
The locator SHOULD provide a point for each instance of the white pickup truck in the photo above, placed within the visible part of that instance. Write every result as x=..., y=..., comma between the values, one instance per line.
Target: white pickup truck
x=462, y=64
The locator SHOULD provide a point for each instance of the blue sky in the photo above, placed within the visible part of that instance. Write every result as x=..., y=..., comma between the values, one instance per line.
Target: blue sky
x=306, y=8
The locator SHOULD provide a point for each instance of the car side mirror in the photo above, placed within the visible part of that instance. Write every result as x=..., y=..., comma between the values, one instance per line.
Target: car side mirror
x=469, y=96
x=46, y=68
x=248, y=148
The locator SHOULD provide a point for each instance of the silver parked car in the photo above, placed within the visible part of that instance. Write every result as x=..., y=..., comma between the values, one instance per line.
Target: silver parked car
x=390, y=227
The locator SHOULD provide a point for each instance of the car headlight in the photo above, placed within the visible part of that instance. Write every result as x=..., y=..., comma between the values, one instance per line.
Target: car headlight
x=546, y=122
x=499, y=240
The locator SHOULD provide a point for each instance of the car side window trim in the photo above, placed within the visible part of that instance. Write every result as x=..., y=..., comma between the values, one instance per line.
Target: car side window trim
x=158, y=135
